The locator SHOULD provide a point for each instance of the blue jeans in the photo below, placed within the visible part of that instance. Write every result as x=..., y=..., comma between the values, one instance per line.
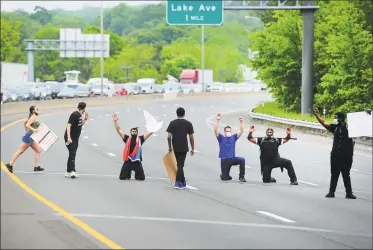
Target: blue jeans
x=227, y=163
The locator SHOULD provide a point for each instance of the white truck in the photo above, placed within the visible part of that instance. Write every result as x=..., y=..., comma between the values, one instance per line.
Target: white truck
x=147, y=85
x=13, y=74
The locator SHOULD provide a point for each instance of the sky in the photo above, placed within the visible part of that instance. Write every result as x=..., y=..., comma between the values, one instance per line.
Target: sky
x=66, y=5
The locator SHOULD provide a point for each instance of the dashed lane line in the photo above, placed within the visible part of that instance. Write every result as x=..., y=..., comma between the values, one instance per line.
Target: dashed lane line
x=111, y=154
x=277, y=217
x=308, y=183
x=94, y=144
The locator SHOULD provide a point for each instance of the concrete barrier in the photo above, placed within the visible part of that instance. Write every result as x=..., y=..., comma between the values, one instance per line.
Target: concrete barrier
x=56, y=104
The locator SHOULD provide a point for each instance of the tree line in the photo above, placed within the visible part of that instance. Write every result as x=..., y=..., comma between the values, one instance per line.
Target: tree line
x=139, y=36
x=343, y=55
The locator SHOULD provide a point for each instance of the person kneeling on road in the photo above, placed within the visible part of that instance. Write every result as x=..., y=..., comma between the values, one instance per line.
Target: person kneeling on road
x=132, y=153
x=270, y=157
x=227, y=150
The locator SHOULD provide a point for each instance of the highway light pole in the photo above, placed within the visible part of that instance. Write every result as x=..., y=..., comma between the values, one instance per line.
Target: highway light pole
x=102, y=49
x=126, y=68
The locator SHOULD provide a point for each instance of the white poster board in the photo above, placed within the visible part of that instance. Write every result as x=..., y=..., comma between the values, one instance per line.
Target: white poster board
x=151, y=124
x=359, y=124
x=45, y=137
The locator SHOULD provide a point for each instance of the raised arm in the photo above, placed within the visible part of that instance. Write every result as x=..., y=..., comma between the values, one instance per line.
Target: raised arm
x=250, y=135
x=216, y=126
x=147, y=135
x=120, y=132
x=239, y=133
x=321, y=120
x=288, y=136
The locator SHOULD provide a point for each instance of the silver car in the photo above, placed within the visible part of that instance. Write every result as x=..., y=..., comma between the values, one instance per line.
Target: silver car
x=67, y=93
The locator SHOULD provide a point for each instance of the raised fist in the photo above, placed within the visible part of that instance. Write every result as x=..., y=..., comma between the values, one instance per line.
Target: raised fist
x=251, y=129
x=218, y=117
x=115, y=117
x=315, y=111
x=288, y=130
x=241, y=119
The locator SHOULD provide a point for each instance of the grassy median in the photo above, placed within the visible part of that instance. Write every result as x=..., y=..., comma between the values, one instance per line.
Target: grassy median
x=270, y=108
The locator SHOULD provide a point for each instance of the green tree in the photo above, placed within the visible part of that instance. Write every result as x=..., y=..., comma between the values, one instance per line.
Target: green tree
x=278, y=57
x=344, y=58
x=10, y=39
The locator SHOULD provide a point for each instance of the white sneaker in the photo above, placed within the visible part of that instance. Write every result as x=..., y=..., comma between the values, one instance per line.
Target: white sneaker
x=74, y=175
x=68, y=175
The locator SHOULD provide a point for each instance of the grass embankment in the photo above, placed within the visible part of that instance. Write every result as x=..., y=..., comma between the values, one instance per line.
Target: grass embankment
x=270, y=108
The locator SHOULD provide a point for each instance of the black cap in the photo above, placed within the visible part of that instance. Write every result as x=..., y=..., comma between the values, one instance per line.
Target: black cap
x=340, y=115
x=82, y=105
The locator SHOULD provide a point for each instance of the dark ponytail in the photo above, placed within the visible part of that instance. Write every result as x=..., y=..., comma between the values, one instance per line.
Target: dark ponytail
x=32, y=108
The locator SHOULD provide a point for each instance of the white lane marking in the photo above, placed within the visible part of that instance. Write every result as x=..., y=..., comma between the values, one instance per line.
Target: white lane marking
x=155, y=135
x=107, y=114
x=111, y=154
x=196, y=151
x=190, y=187
x=248, y=167
x=91, y=119
x=226, y=223
x=85, y=137
x=94, y=144
x=165, y=115
x=308, y=183
x=176, y=104
x=276, y=217
x=354, y=169
x=117, y=112
x=319, y=161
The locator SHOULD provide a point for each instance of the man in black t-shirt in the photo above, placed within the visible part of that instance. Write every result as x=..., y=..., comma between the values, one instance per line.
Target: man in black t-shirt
x=341, y=156
x=270, y=157
x=132, y=153
x=72, y=134
x=177, y=136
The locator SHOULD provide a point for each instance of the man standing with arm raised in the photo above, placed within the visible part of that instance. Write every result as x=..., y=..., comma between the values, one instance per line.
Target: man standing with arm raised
x=178, y=130
x=227, y=150
x=341, y=156
x=72, y=134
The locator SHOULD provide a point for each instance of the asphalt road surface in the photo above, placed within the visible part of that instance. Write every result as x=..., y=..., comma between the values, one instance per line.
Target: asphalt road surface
x=209, y=214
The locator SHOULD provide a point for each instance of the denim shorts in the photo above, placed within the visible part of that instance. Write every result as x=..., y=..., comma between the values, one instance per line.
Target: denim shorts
x=27, y=138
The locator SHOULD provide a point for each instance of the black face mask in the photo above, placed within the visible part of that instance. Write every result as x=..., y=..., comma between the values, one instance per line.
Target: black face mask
x=133, y=136
x=269, y=136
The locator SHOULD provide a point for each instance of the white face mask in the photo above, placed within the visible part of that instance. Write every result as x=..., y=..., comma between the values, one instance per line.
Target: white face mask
x=335, y=121
x=229, y=134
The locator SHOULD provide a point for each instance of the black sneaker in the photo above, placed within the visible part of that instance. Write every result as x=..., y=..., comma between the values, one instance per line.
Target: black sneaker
x=350, y=196
x=273, y=180
x=229, y=178
x=37, y=169
x=330, y=195
x=10, y=168
x=294, y=183
x=242, y=179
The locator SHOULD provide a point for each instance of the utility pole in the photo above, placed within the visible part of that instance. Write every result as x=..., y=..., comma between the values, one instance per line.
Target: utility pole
x=126, y=68
x=102, y=49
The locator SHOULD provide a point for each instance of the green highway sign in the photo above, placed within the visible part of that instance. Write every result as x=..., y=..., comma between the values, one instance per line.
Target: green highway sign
x=194, y=12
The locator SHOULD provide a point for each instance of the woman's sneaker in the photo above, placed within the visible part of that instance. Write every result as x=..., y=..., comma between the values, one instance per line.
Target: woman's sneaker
x=38, y=169
x=10, y=168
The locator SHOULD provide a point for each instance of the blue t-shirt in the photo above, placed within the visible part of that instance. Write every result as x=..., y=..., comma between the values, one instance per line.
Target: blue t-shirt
x=227, y=146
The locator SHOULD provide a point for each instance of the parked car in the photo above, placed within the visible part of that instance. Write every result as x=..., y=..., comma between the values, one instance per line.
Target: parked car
x=159, y=89
x=25, y=94
x=54, y=87
x=84, y=91
x=9, y=95
x=67, y=93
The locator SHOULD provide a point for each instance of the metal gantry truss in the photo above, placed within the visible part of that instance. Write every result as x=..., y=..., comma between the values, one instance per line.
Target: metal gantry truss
x=268, y=5
x=58, y=45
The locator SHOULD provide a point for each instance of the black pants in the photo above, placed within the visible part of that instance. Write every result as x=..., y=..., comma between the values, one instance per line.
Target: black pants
x=226, y=164
x=338, y=164
x=180, y=160
x=128, y=167
x=268, y=165
x=72, y=147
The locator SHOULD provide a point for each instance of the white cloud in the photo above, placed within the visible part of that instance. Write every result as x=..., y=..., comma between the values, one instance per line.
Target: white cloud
x=66, y=5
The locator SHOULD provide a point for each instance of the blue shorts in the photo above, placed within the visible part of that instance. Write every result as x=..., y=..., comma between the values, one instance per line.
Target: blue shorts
x=27, y=138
